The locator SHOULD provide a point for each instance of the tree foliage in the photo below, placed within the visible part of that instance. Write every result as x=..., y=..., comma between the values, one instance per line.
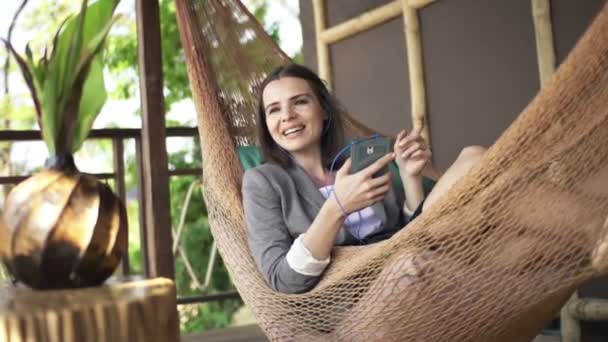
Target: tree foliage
x=122, y=54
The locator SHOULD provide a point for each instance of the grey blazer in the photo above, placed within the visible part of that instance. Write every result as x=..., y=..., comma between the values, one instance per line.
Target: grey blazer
x=280, y=204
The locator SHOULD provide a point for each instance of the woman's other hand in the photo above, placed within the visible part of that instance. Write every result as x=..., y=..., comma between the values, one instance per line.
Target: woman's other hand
x=412, y=154
x=359, y=190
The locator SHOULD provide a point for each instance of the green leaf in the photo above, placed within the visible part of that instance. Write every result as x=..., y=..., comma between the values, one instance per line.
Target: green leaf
x=99, y=19
x=49, y=105
x=77, y=123
x=56, y=38
x=27, y=75
x=78, y=41
x=93, y=98
x=70, y=88
x=58, y=64
x=54, y=83
x=28, y=52
x=71, y=112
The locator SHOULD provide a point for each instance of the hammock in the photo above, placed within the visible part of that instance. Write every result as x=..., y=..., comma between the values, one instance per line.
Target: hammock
x=494, y=259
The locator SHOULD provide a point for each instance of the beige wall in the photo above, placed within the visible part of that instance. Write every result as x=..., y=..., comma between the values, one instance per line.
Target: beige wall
x=480, y=64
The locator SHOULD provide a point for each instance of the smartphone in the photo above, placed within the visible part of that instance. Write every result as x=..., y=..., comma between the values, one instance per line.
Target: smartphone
x=366, y=152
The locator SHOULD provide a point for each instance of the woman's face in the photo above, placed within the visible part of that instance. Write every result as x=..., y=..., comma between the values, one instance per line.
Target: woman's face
x=294, y=116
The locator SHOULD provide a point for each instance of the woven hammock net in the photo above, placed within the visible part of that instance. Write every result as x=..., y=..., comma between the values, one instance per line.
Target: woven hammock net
x=493, y=260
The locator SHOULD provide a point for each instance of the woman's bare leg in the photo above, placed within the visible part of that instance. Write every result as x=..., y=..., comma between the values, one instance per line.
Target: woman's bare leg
x=468, y=157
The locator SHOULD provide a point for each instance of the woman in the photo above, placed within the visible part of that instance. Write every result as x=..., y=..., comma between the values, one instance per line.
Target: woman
x=297, y=209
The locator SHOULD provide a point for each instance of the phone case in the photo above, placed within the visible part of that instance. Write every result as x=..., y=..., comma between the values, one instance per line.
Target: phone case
x=366, y=152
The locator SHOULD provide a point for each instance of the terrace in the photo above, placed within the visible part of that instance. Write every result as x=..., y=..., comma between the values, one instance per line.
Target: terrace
x=156, y=232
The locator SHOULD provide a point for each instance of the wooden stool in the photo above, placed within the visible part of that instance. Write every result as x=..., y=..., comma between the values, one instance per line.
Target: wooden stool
x=134, y=310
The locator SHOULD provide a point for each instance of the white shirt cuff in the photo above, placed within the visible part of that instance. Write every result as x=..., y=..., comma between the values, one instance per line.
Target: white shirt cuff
x=301, y=260
x=407, y=211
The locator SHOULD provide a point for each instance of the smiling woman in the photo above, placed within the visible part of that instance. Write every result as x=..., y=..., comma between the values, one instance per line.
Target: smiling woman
x=297, y=208
x=295, y=95
x=294, y=116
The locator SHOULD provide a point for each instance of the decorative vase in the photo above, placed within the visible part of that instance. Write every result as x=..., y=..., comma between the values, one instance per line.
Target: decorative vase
x=66, y=229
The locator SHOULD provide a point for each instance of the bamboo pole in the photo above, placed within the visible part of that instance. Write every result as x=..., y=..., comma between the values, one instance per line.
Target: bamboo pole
x=588, y=309
x=322, y=46
x=361, y=23
x=570, y=326
x=541, y=11
x=575, y=309
x=418, y=4
x=415, y=64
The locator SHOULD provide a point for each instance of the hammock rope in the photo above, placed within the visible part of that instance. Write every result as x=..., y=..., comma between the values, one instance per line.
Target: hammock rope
x=493, y=260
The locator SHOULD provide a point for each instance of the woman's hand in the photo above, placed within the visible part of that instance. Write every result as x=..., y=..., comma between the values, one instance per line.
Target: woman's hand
x=359, y=190
x=412, y=154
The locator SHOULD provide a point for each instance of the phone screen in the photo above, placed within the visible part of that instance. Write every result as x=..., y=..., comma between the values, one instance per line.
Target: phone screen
x=366, y=152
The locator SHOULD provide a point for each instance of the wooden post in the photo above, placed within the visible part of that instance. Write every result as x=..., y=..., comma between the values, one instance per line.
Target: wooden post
x=416, y=69
x=141, y=205
x=588, y=309
x=541, y=11
x=545, y=52
x=156, y=179
x=322, y=47
x=121, y=191
x=570, y=326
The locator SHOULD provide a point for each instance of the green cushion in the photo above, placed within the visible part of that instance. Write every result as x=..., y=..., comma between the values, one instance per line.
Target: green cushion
x=427, y=183
x=251, y=156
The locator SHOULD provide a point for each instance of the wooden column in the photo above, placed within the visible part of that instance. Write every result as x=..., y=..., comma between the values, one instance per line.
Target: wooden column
x=541, y=11
x=121, y=190
x=416, y=68
x=570, y=325
x=323, y=59
x=155, y=174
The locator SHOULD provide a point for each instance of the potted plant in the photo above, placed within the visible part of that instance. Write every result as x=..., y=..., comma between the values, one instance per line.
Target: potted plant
x=66, y=229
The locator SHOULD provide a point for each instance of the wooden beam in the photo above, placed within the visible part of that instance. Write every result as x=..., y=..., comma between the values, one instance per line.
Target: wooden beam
x=323, y=60
x=589, y=309
x=416, y=69
x=541, y=11
x=570, y=326
x=105, y=133
x=360, y=23
x=418, y=4
x=121, y=190
x=156, y=179
x=141, y=205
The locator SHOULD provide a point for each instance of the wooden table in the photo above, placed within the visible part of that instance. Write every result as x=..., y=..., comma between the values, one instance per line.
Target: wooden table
x=127, y=310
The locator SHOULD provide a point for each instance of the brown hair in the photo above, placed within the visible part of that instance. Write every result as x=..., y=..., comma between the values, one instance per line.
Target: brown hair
x=332, y=138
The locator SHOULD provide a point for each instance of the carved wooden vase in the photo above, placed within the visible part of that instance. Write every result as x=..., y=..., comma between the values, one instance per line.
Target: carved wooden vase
x=66, y=229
